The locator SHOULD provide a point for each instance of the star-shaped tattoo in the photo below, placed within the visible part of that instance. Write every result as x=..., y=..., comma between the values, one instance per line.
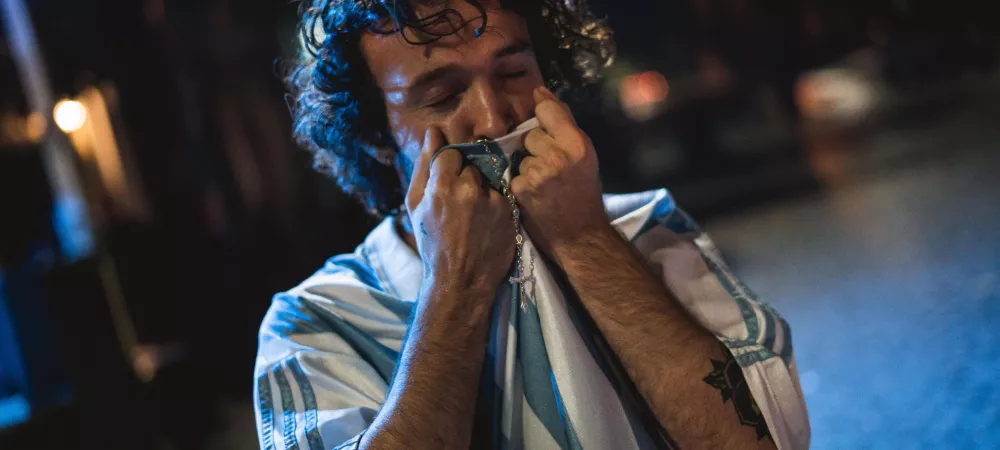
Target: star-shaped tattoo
x=727, y=377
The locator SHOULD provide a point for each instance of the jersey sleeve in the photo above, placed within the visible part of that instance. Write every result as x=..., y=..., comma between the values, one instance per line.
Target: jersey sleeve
x=759, y=339
x=326, y=350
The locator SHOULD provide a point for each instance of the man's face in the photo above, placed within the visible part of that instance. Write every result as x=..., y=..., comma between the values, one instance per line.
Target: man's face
x=468, y=87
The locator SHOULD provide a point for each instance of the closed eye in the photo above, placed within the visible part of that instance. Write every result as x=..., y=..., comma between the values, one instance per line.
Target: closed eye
x=444, y=102
x=512, y=75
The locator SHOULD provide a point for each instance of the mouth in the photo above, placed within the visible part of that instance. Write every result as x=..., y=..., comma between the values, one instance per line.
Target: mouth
x=514, y=140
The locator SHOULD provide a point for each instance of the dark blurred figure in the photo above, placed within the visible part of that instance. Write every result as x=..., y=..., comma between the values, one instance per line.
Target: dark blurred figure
x=25, y=253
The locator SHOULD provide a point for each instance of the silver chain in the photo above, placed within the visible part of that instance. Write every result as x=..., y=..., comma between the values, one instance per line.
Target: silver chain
x=521, y=277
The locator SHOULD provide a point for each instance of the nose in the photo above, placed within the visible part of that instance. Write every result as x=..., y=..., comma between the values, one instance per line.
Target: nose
x=491, y=113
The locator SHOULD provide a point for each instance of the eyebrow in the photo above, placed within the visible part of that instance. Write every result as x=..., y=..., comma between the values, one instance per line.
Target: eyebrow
x=516, y=47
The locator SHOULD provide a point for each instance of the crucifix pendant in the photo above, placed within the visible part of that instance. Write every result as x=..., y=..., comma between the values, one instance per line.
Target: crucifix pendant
x=520, y=279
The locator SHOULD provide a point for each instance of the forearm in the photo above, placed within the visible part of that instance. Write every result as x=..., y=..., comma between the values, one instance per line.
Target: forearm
x=666, y=354
x=432, y=399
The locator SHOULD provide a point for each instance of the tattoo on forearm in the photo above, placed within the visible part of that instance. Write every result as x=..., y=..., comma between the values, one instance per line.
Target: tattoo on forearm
x=727, y=377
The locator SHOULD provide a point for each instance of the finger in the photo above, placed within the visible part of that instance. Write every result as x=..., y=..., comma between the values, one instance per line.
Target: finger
x=470, y=181
x=433, y=140
x=498, y=203
x=533, y=175
x=497, y=200
x=552, y=114
x=545, y=93
x=519, y=185
x=536, y=170
x=540, y=144
x=445, y=169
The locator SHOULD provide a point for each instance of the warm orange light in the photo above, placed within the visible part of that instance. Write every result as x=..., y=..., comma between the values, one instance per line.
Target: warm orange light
x=70, y=115
x=644, y=89
x=34, y=127
x=642, y=95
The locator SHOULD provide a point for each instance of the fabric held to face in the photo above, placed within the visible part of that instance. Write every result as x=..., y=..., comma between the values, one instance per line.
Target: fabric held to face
x=494, y=157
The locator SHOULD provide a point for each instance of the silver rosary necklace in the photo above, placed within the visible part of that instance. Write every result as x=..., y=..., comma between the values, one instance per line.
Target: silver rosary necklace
x=521, y=277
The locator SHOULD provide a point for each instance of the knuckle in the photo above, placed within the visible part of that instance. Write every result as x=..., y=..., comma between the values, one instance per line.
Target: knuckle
x=535, y=182
x=441, y=191
x=531, y=140
x=544, y=107
x=466, y=192
x=577, y=140
x=469, y=174
x=518, y=185
x=559, y=160
x=530, y=180
x=574, y=158
x=522, y=169
x=579, y=146
x=542, y=172
x=448, y=158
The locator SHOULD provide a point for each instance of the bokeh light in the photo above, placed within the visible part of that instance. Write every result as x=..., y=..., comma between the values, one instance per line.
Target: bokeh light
x=644, y=88
x=642, y=94
x=70, y=115
x=34, y=126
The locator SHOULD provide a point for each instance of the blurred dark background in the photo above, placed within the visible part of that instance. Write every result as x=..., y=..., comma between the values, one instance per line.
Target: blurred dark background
x=151, y=201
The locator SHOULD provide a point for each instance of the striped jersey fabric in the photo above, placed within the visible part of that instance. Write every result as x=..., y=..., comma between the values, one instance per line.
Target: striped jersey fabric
x=328, y=347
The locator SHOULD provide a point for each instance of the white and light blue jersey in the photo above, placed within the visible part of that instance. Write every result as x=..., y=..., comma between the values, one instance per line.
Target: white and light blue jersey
x=328, y=347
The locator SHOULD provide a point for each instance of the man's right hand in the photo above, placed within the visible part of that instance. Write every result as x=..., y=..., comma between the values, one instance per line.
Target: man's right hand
x=465, y=236
x=464, y=232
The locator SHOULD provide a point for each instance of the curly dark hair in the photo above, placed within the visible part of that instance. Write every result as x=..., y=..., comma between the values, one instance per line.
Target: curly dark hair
x=339, y=112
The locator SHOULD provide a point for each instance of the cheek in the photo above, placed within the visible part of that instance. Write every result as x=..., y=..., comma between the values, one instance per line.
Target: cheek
x=408, y=138
x=409, y=130
x=521, y=96
x=524, y=108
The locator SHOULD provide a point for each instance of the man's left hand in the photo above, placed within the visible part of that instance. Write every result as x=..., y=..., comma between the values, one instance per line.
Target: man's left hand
x=558, y=186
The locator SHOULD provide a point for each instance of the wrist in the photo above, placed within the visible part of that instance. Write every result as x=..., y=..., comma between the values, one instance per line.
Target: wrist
x=451, y=306
x=451, y=272
x=571, y=245
x=453, y=282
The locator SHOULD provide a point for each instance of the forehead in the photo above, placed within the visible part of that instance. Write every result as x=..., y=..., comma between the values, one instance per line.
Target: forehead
x=394, y=62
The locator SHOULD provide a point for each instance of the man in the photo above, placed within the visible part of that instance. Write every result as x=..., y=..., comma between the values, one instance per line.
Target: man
x=602, y=335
